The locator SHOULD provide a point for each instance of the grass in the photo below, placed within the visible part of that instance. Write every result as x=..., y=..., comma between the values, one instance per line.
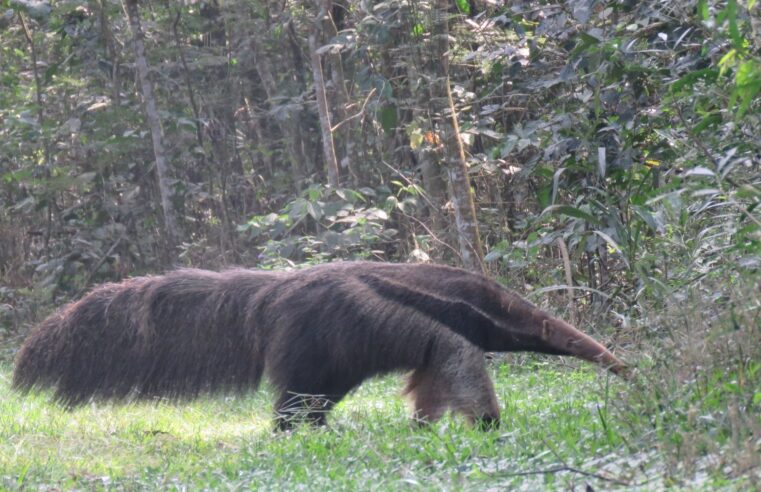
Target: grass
x=563, y=428
x=551, y=418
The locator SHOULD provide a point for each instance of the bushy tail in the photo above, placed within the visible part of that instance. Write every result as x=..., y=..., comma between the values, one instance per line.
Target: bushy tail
x=172, y=336
x=36, y=363
x=84, y=350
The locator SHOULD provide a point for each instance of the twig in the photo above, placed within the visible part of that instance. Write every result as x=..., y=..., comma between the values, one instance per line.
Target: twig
x=571, y=469
x=433, y=236
x=750, y=216
x=560, y=469
x=360, y=113
x=429, y=203
x=568, y=277
x=98, y=265
x=409, y=182
x=41, y=121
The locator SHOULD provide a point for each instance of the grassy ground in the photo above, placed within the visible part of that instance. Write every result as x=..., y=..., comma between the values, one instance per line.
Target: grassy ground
x=551, y=418
x=560, y=431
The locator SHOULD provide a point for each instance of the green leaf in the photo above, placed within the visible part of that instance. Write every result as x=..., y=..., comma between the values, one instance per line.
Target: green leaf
x=587, y=41
x=708, y=74
x=646, y=217
x=710, y=120
x=463, y=6
x=728, y=60
x=748, y=191
x=700, y=171
x=544, y=195
x=492, y=255
x=314, y=209
x=748, y=83
x=734, y=31
x=703, y=11
x=50, y=73
x=748, y=73
x=574, y=212
x=613, y=244
x=388, y=118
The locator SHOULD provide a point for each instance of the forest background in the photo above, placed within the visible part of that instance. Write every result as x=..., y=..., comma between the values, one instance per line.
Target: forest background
x=602, y=157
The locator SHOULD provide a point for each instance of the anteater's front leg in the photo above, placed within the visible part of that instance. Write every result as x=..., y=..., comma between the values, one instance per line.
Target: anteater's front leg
x=454, y=379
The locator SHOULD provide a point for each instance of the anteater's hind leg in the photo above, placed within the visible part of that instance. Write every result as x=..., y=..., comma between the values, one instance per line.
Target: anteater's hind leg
x=308, y=385
x=454, y=379
x=308, y=396
x=292, y=407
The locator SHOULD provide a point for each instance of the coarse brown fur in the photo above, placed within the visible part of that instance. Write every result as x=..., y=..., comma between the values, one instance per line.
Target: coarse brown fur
x=316, y=333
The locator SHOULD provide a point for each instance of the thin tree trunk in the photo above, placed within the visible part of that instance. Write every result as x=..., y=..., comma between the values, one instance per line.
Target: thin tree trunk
x=51, y=201
x=111, y=51
x=289, y=125
x=462, y=196
x=172, y=232
x=328, y=146
x=263, y=150
x=428, y=154
x=346, y=155
x=299, y=86
x=468, y=235
x=188, y=82
x=434, y=185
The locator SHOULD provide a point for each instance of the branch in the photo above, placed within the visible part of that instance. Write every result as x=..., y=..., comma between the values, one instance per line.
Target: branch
x=568, y=277
x=360, y=113
x=98, y=265
x=564, y=468
x=328, y=143
x=415, y=219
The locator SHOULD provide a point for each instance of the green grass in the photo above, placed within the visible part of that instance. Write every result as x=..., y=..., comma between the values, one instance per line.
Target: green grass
x=550, y=418
x=558, y=431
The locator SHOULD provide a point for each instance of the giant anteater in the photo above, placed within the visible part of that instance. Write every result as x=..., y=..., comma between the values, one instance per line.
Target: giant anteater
x=316, y=332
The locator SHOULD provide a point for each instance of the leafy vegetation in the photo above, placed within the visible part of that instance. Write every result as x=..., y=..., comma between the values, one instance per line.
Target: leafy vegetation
x=610, y=149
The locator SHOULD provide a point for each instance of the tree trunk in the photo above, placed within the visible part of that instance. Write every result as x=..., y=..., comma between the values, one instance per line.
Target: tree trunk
x=328, y=146
x=172, y=232
x=435, y=187
x=289, y=124
x=111, y=50
x=461, y=194
x=188, y=83
x=346, y=155
x=38, y=90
